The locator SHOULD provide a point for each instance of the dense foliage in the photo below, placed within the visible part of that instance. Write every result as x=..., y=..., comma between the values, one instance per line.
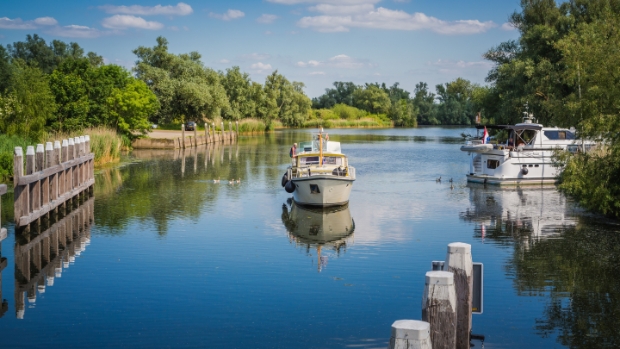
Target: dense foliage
x=566, y=65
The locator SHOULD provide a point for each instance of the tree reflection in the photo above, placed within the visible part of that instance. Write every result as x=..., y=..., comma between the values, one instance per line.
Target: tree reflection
x=573, y=262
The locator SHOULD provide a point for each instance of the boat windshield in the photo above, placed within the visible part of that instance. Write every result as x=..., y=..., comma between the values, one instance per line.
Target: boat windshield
x=314, y=160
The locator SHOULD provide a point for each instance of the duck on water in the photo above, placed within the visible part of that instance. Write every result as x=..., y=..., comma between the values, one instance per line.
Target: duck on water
x=320, y=174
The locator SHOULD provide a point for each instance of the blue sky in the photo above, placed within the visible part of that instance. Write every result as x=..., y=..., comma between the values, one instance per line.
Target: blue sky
x=313, y=41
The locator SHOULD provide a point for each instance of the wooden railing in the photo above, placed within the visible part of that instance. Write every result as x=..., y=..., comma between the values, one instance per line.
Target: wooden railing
x=54, y=174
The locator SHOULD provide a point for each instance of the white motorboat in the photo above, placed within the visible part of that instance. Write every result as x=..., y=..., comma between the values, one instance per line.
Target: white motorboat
x=528, y=159
x=320, y=174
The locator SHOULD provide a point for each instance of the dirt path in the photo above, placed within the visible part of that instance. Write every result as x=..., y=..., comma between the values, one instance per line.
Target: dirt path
x=168, y=134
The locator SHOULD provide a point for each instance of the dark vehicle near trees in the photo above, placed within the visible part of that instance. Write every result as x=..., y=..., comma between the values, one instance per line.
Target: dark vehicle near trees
x=190, y=126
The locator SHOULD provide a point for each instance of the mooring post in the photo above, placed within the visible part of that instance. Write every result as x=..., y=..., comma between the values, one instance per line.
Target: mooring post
x=78, y=169
x=84, y=171
x=49, y=181
x=459, y=262
x=439, y=308
x=206, y=133
x=410, y=334
x=40, y=184
x=183, y=136
x=64, y=186
x=237, y=122
x=58, y=176
x=71, y=156
x=223, y=133
x=196, y=135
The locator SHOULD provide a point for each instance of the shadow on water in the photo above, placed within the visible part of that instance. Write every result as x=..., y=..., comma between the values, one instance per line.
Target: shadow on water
x=569, y=258
x=318, y=228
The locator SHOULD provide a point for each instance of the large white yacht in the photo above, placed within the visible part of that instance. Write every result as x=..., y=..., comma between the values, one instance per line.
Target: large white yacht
x=526, y=158
x=320, y=174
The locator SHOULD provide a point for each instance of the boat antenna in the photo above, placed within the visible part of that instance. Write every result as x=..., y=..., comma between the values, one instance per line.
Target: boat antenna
x=321, y=147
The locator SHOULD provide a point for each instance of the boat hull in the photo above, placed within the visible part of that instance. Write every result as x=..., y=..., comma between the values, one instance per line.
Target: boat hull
x=322, y=191
x=484, y=179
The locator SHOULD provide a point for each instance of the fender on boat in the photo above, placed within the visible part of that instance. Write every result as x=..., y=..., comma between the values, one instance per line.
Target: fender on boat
x=289, y=187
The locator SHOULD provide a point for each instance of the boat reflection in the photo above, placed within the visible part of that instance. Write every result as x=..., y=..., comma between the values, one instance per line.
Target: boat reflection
x=320, y=228
x=4, y=306
x=40, y=257
x=525, y=214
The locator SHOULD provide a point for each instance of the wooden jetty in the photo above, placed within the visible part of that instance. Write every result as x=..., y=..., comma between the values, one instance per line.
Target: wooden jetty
x=54, y=175
x=190, y=140
x=40, y=257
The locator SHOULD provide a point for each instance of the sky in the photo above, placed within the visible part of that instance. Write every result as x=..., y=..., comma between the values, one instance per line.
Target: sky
x=316, y=42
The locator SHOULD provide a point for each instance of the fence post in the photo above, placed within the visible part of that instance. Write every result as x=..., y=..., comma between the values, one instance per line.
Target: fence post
x=64, y=151
x=48, y=181
x=78, y=168
x=58, y=176
x=237, y=122
x=439, y=308
x=223, y=133
x=40, y=184
x=71, y=156
x=21, y=203
x=459, y=262
x=410, y=334
x=84, y=165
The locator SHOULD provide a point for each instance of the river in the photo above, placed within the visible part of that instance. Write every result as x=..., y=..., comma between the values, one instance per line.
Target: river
x=172, y=259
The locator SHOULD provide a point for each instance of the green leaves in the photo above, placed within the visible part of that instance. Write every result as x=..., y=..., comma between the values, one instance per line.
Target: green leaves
x=132, y=106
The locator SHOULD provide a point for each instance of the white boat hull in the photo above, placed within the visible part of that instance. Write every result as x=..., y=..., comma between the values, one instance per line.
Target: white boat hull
x=322, y=190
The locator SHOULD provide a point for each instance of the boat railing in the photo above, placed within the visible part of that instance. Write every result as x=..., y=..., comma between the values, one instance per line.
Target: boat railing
x=306, y=171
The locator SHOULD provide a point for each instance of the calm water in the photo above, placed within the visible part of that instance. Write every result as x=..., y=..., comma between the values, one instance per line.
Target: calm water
x=172, y=259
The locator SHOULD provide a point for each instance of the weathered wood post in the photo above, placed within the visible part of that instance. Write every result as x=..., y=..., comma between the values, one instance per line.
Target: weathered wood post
x=206, y=133
x=410, y=334
x=49, y=158
x=459, y=262
x=183, y=136
x=237, y=122
x=40, y=184
x=196, y=135
x=439, y=308
x=77, y=172
x=58, y=176
x=21, y=194
x=84, y=171
x=70, y=177
x=223, y=133
x=64, y=177
x=2, y=230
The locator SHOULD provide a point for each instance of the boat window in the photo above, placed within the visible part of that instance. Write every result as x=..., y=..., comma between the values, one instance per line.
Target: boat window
x=314, y=189
x=309, y=160
x=559, y=135
x=332, y=160
x=492, y=163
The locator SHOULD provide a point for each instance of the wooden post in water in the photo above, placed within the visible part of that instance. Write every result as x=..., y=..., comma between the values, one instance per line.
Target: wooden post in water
x=64, y=175
x=183, y=136
x=206, y=133
x=196, y=135
x=439, y=308
x=70, y=176
x=2, y=230
x=459, y=262
x=58, y=176
x=38, y=195
x=47, y=186
x=410, y=334
x=237, y=122
x=223, y=133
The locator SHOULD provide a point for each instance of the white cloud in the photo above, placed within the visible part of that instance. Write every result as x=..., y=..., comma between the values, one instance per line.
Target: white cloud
x=268, y=32
x=17, y=23
x=45, y=21
x=447, y=66
x=316, y=73
x=261, y=67
x=228, y=15
x=340, y=61
x=181, y=9
x=266, y=18
x=508, y=26
x=78, y=31
x=333, y=2
x=342, y=9
x=127, y=21
x=255, y=57
x=224, y=61
x=337, y=19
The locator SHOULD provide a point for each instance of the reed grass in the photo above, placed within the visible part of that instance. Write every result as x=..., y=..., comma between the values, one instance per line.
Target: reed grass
x=248, y=126
x=7, y=148
x=105, y=143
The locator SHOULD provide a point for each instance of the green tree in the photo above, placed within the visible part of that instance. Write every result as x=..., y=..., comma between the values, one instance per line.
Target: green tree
x=33, y=103
x=184, y=87
x=238, y=91
x=5, y=70
x=131, y=107
x=424, y=101
x=372, y=99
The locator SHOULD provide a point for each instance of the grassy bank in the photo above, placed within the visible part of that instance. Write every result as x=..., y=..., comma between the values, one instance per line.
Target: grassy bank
x=105, y=143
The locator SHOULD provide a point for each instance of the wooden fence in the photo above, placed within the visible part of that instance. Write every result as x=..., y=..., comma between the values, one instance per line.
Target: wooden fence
x=195, y=138
x=53, y=175
x=2, y=230
x=4, y=305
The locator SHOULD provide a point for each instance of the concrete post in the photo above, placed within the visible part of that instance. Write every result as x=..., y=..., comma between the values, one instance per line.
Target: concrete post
x=439, y=308
x=459, y=262
x=410, y=334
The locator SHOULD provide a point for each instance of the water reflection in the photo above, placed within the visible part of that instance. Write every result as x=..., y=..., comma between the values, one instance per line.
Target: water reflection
x=4, y=305
x=569, y=259
x=319, y=228
x=526, y=214
x=40, y=257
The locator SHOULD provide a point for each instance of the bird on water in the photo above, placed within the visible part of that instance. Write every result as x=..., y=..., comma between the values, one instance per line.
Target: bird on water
x=216, y=180
x=438, y=179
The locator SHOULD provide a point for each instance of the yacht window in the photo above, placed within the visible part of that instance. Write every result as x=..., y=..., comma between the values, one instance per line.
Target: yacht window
x=332, y=160
x=559, y=135
x=314, y=189
x=309, y=160
x=492, y=163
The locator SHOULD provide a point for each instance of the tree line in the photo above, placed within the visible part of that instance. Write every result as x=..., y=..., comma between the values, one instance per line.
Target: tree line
x=453, y=103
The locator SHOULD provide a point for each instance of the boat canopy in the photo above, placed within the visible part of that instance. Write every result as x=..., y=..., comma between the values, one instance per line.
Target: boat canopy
x=313, y=147
x=511, y=127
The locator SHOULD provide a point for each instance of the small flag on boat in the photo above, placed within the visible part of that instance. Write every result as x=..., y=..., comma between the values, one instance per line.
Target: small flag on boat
x=485, y=136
